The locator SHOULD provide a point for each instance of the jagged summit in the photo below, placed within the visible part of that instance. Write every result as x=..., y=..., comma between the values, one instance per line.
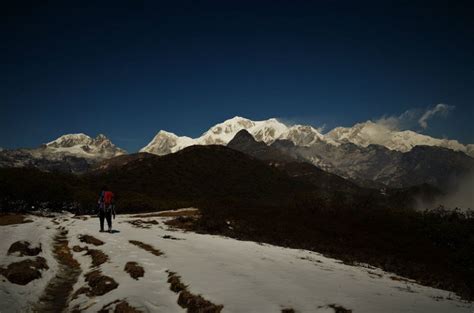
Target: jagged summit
x=271, y=130
x=367, y=133
x=266, y=131
x=70, y=140
x=82, y=145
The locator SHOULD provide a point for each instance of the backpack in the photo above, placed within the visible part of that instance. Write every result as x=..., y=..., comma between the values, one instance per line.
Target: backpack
x=108, y=198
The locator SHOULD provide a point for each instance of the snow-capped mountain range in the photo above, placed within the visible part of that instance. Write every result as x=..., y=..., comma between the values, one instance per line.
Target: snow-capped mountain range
x=69, y=153
x=81, y=145
x=76, y=152
x=268, y=131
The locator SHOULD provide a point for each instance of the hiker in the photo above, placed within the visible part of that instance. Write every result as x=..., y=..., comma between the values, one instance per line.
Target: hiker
x=106, y=206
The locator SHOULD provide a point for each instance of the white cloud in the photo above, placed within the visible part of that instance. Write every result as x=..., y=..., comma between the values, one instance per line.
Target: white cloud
x=320, y=129
x=405, y=120
x=439, y=109
x=414, y=118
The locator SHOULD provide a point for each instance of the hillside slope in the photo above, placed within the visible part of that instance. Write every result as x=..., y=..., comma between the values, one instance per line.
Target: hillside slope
x=242, y=276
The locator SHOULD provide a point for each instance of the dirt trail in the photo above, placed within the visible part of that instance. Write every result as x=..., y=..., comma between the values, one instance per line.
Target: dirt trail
x=56, y=295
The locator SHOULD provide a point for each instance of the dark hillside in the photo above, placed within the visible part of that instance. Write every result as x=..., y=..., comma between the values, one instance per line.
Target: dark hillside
x=200, y=174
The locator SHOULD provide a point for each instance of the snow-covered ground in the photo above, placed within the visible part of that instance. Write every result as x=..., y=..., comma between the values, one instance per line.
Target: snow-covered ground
x=243, y=276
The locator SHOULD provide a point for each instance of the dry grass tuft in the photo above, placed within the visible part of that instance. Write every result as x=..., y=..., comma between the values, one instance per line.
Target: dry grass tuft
x=143, y=223
x=134, y=270
x=79, y=248
x=98, y=257
x=183, y=222
x=63, y=253
x=23, y=272
x=175, y=282
x=12, y=219
x=90, y=240
x=191, y=302
x=339, y=309
x=98, y=285
x=196, y=303
x=146, y=247
x=121, y=306
x=23, y=248
x=187, y=212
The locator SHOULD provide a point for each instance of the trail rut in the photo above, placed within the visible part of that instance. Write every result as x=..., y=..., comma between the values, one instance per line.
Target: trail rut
x=56, y=295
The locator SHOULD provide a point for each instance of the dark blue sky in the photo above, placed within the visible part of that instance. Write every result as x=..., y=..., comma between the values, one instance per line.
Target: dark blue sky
x=129, y=69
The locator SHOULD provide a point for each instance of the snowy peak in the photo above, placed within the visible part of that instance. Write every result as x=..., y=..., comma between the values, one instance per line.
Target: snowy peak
x=364, y=134
x=221, y=134
x=82, y=145
x=70, y=140
x=165, y=142
x=270, y=130
x=266, y=131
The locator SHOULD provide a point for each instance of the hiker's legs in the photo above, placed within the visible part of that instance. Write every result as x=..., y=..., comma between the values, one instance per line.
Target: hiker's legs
x=108, y=216
x=101, y=218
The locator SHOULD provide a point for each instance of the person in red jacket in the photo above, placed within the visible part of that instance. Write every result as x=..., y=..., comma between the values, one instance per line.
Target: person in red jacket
x=106, y=205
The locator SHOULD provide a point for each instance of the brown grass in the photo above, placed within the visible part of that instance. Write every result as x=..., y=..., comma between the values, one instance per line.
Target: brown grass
x=55, y=296
x=191, y=302
x=98, y=285
x=175, y=282
x=143, y=223
x=23, y=248
x=339, y=309
x=79, y=248
x=183, y=222
x=396, y=278
x=63, y=253
x=12, y=219
x=23, y=272
x=188, y=212
x=121, y=306
x=80, y=217
x=197, y=304
x=146, y=247
x=98, y=257
x=134, y=270
x=90, y=240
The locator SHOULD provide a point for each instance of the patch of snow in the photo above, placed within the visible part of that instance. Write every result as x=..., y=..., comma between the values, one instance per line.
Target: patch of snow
x=244, y=276
x=17, y=298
